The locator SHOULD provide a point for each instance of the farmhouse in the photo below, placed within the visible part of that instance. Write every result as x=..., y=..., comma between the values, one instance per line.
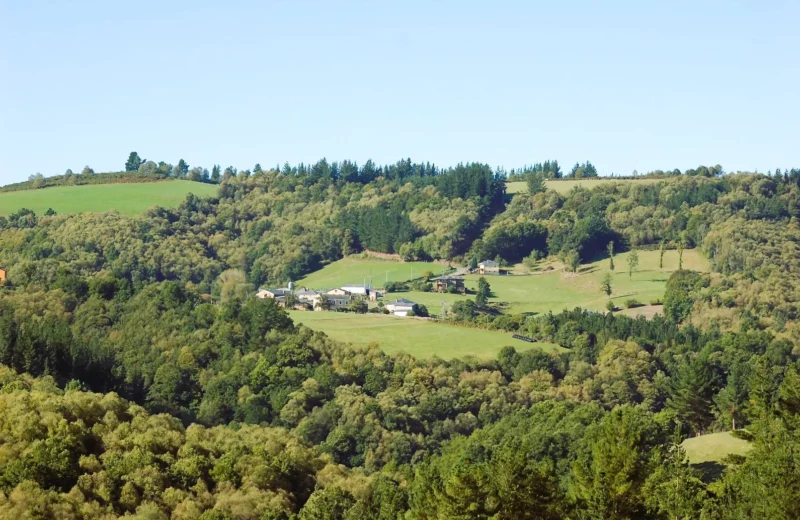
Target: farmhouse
x=3, y=275
x=400, y=307
x=446, y=283
x=338, y=292
x=489, y=267
x=337, y=299
x=308, y=296
x=361, y=290
x=273, y=293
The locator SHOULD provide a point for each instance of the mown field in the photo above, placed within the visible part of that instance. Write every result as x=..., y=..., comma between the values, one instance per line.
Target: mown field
x=127, y=199
x=355, y=270
x=557, y=290
x=420, y=338
x=565, y=186
x=714, y=447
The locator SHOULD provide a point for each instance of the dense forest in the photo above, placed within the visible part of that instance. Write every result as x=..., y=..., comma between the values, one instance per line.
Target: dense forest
x=138, y=381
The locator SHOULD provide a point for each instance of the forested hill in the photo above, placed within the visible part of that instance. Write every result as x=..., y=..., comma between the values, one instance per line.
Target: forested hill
x=140, y=378
x=272, y=227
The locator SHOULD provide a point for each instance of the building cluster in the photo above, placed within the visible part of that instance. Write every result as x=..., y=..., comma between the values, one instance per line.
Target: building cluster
x=334, y=299
x=311, y=299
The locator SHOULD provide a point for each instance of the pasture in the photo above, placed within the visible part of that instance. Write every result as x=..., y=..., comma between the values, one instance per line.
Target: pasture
x=714, y=447
x=126, y=198
x=564, y=186
x=417, y=337
x=356, y=270
x=544, y=291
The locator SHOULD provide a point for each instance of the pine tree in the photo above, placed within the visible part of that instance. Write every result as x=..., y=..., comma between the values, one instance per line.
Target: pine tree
x=692, y=394
x=133, y=162
x=535, y=183
x=483, y=292
x=182, y=169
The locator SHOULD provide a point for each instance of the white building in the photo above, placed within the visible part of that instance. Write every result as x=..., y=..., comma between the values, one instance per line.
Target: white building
x=361, y=290
x=400, y=307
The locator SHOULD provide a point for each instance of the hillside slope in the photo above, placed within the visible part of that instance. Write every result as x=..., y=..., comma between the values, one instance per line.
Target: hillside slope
x=127, y=199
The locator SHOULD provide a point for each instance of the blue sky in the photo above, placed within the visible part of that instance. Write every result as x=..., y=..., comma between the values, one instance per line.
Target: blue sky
x=627, y=85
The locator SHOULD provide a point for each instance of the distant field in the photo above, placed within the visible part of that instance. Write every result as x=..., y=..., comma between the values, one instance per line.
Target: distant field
x=128, y=199
x=714, y=447
x=354, y=270
x=419, y=338
x=566, y=186
x=556, y=291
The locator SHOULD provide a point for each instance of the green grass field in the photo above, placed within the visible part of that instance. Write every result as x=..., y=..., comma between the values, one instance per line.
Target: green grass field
x=127, y=199
x=354, y=269
x=420, y=338
x=565, y=186
x=714, y=447
x=557, y=290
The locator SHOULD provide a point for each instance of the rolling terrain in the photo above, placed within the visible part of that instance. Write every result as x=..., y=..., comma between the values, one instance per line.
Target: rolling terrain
x=126, y=198
x=356, y=270
x=539, y=292
x=420, y=338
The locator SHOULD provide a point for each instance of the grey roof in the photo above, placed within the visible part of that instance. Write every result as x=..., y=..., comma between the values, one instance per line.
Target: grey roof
x=277, y=292
x=306, y=292
x=401, y=301
x=448, y=277
x=489, y=263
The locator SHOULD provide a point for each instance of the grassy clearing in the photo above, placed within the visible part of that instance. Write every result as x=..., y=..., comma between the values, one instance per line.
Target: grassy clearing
x=420, y=338
x=714, y=447
x=354, y=270
x=127, y=199
x=555, y=291
x=565, y=186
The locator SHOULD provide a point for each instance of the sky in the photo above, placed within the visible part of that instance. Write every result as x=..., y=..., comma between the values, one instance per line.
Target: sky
x=626, y=85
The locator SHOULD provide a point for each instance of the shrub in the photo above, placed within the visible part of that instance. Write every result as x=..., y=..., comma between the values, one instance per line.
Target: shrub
x=682, y=287
x=395, y=287
x=610, y=306
x=745, y=435
x=656, y=301
x=421, y=286
x=733, y=459
x=632, y=303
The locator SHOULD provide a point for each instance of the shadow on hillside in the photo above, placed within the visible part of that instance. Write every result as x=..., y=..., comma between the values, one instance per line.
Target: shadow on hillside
x=710, y=471
x=587, y=269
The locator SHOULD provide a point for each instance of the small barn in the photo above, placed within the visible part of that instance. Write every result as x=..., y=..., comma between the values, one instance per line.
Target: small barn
x=489, y=267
